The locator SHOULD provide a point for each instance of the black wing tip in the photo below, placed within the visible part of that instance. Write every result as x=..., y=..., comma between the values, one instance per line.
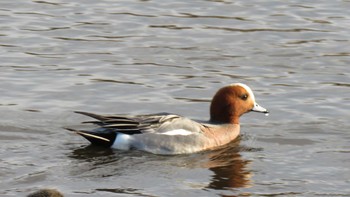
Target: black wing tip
x=92, y=115
x=85, y=113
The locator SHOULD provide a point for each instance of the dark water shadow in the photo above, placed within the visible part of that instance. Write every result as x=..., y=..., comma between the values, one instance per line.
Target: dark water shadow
x=88, y=161
x=97, y=162
x=89, y=153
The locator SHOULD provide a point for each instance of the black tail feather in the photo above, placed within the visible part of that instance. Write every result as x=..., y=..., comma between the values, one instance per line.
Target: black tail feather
x=105, y=139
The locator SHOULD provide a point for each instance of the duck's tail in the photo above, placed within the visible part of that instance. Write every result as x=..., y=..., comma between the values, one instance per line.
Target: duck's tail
x=105, y=138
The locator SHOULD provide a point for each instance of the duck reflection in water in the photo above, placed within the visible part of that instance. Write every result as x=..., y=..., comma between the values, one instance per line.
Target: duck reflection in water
x=229, y=168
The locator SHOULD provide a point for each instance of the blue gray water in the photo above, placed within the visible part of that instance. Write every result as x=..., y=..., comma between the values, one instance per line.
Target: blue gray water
x=153, y=56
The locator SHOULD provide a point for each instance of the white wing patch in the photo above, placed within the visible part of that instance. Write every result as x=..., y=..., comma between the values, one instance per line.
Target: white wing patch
x=177, y=132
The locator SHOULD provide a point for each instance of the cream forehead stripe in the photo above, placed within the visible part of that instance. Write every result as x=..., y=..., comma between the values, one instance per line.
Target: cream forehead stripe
x=246, y=88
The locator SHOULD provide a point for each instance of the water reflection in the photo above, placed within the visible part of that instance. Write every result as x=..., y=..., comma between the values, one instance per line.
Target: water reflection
x=137, y=56
x=87, y=153
x=93, y=161
x=230, y=169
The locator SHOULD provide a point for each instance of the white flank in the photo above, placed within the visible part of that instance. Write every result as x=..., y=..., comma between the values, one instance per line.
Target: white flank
x=177, y=132
x=122, y=142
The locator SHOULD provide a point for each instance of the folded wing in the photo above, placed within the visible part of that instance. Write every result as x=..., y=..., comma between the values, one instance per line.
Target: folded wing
x=138, y=124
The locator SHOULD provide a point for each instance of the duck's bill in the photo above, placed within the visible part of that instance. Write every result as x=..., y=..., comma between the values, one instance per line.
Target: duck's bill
x=258, y=108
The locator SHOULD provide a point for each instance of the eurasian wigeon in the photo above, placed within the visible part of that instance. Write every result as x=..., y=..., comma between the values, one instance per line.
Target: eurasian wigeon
x=46, y=193
x=173, y=134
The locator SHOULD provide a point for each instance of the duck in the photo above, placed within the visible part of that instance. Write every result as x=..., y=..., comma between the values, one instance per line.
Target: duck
x=169, y=134
x=46, y=193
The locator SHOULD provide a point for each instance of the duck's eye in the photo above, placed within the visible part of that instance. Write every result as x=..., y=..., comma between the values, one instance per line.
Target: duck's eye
x=244, y=97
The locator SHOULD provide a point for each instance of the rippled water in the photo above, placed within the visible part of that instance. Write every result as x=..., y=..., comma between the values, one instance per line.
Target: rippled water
x=153, y=56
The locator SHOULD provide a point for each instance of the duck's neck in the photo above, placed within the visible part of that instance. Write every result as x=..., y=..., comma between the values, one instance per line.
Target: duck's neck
x=224, y=119
x=221, y=112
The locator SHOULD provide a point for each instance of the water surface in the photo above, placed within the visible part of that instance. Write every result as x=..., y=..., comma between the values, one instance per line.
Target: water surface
x=155, y=56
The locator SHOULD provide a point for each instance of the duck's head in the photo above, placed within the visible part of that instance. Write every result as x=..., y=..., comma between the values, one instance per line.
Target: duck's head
x=232, y=101
x=46, y=193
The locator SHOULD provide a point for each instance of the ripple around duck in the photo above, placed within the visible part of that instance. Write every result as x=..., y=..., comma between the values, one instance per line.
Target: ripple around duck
x=266, y=29
x=116, y=81
x=191, y=15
